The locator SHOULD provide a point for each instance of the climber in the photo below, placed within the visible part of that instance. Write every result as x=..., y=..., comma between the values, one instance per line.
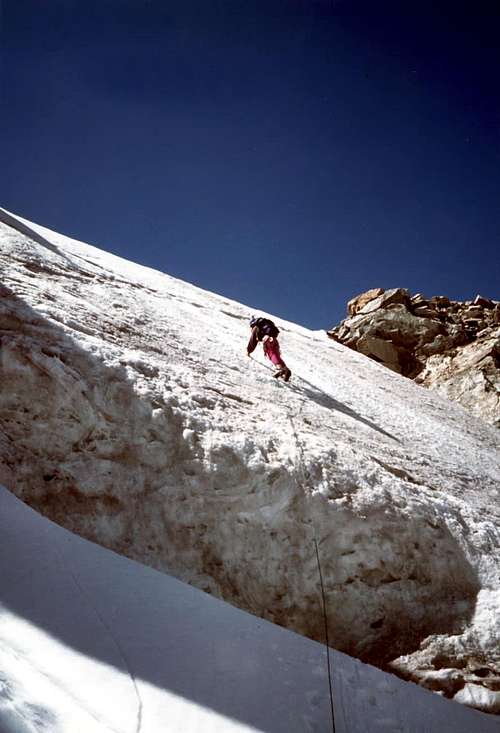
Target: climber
x=263, y=329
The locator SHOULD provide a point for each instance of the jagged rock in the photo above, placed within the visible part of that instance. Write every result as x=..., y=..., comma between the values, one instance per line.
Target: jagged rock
x=343, y=332
x=424, y=311
x=441, y=301
x=438, y=345
x=357, y=303
x=488, y=331
x=483, y=302
x=380, y=350
x=456, y=331
x=474, y=324
x=419, y=298
x=473, y=311
x=427, y=340
x=396, y=325
x=387, y=298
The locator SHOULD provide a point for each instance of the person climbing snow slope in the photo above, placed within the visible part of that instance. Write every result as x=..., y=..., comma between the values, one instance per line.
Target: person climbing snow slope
x=263, y=329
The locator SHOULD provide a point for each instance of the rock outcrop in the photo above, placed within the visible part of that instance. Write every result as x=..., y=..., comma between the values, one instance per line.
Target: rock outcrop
x=130, y=414
x=450, y=346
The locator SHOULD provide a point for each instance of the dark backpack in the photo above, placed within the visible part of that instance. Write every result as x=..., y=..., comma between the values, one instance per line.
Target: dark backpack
x=266, y=328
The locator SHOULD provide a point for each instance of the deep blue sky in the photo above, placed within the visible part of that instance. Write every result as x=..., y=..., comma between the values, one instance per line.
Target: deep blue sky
x=284, y=153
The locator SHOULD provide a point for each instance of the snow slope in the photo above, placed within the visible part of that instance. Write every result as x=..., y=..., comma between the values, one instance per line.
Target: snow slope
x=131, y=415
x=91, y=642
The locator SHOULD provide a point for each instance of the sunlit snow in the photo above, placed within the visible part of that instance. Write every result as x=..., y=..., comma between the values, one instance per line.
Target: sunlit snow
x=129, y=393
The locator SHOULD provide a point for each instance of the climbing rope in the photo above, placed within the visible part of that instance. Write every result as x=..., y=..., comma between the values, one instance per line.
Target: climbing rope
x=300, y=452
x=330, y=682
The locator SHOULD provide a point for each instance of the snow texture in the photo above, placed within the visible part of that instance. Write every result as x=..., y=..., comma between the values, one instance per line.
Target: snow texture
x=91, y=642
x=131, y=415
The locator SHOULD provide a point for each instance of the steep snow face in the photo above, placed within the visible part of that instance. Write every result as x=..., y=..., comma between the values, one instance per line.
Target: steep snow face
x=131, y=415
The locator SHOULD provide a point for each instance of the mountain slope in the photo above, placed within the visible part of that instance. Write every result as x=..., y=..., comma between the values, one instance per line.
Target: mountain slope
x=117, y=647
x=131, y=415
